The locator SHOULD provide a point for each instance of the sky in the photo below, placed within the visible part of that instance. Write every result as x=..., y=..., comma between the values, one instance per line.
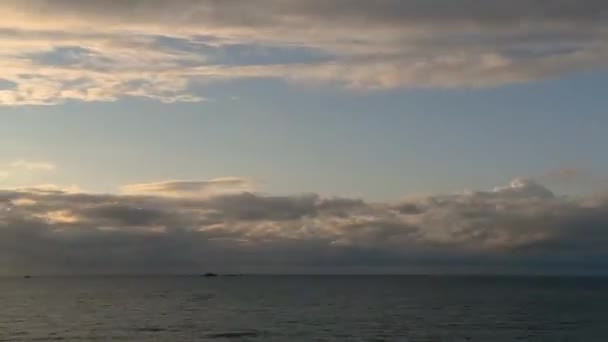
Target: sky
x=286, y=136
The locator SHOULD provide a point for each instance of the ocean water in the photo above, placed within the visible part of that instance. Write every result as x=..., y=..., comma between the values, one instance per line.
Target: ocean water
x=304, y=308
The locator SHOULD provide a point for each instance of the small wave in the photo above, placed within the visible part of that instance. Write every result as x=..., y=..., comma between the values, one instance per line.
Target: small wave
x=203, y=297
x=234, y=334
x=151, y=329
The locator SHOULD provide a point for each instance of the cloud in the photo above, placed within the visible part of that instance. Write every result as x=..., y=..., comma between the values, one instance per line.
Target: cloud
x=50, y=189
x=574, y=177
x=20, y=167
x=190, y=187
x=566, y=172
x=58, y=50
x=521, y=227
x=58, y=217
x=32, y=166
x=524, y=188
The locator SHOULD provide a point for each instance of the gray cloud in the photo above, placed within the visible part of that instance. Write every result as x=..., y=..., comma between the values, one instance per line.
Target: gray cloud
x=58, y=50
x=522, y=226
x=244, y=12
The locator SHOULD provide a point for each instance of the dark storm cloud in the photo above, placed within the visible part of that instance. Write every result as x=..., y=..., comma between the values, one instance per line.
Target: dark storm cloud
x=522, y=225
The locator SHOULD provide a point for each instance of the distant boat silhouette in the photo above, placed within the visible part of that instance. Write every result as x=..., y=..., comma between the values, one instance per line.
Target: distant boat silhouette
x=209, y=274
x=27, y=276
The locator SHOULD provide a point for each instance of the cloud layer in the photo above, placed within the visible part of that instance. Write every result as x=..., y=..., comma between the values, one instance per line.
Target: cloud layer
x=519, y=227
x=57, y=50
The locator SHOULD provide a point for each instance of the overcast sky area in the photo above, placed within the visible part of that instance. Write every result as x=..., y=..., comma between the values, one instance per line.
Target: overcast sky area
x=288, y=136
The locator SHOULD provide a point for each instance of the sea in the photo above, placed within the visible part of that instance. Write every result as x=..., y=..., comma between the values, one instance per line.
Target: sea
x=304, y=308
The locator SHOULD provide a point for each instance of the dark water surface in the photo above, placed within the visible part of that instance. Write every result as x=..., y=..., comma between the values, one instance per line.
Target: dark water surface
x=304, y=308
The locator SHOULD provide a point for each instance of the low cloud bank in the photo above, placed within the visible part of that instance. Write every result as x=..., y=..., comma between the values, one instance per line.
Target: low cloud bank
x=521, y=227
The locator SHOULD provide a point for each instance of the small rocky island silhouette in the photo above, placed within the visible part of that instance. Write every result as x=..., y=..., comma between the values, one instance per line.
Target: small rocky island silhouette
x=211, y=274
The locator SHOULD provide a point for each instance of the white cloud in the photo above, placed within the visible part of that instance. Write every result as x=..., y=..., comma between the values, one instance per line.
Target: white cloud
x=524, y=188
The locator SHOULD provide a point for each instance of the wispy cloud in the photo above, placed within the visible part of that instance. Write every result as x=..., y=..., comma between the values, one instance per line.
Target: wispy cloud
x=58, y=50
x=521, y=226
x=32, y=166
x=188, y=188
x=19, y=167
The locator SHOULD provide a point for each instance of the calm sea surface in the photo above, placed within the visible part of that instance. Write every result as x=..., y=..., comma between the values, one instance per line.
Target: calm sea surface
x=304, y=308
